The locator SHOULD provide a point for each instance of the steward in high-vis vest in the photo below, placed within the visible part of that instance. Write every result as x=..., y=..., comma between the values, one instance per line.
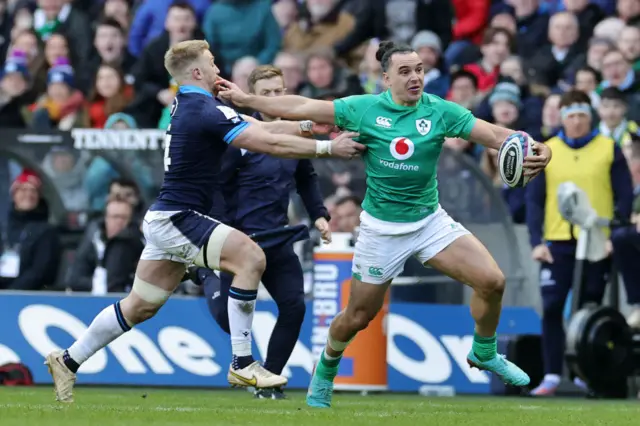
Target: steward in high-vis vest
x=596, y=164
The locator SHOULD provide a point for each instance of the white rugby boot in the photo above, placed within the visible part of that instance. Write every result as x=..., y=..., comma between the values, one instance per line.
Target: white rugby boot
x=63, y=378
x=255, y=375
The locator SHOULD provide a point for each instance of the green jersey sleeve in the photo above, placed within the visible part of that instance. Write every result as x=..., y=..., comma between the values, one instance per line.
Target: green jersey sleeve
x=348, y=111
x=458, y=120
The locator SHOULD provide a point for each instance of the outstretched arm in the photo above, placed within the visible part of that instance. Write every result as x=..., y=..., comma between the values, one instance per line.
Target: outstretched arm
x=255, y=139
x=305, y=128
x=290, y=107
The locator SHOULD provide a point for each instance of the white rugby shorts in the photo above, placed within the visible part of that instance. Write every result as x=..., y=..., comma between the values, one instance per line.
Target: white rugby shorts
x=382, y=248
x=178, y=236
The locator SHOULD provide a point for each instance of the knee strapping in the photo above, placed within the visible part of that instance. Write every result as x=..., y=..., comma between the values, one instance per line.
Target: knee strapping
x=209, y=255
x=338, y=346
x=149, y=292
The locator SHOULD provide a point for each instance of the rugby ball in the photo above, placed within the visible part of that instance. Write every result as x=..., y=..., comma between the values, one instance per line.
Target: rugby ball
x=511, y=156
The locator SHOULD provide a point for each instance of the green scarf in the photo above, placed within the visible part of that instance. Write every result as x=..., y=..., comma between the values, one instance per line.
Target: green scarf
x=48, y=28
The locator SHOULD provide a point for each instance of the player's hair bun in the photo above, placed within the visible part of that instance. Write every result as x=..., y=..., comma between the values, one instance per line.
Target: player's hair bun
x=383, y=48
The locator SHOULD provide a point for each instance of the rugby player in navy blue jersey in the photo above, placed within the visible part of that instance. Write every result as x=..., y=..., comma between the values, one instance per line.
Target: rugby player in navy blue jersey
x=255, y=190
x=176, y=227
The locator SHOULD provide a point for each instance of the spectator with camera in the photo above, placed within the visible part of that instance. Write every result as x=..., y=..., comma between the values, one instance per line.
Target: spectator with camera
x=30, y=251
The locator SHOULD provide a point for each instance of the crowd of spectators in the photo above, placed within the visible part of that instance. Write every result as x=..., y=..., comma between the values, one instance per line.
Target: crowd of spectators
x=99, y=64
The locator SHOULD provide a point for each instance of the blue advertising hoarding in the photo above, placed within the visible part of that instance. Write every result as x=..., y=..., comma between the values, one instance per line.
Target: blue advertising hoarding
x=183, y=346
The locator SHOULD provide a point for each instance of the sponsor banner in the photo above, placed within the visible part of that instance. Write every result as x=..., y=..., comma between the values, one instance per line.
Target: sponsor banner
x=427, y=346
x=183, y=346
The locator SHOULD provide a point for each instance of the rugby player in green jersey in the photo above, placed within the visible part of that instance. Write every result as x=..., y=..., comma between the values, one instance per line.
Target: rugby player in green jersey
x=404, y=130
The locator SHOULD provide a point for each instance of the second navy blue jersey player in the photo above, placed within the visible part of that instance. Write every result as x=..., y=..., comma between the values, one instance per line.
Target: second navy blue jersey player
x=177, y=230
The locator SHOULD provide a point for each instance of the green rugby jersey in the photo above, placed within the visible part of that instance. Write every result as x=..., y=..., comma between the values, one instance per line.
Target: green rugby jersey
x=403, y=148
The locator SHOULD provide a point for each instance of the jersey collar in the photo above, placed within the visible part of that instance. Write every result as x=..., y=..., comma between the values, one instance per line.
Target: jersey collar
x=193, y=89
x=389, y=98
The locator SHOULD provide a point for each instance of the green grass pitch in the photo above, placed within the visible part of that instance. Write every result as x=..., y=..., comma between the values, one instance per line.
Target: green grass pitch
x=163, y=407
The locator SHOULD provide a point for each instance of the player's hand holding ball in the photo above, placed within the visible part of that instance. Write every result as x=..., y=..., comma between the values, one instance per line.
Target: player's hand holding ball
x=520, y=159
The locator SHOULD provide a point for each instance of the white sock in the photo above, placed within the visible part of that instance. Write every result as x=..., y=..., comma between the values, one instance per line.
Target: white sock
x=241, y=305
x=105, y=328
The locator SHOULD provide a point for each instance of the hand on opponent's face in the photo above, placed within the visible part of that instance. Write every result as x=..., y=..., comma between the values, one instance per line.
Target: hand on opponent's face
x=231, y=92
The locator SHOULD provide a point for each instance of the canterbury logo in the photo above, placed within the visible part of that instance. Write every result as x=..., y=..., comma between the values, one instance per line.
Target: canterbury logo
x=251, y=382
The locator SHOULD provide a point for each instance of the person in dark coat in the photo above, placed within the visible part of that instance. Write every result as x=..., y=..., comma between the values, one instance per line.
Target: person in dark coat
x=107, y=258
x=30, y=246
x=254, y=199
x=153, y=89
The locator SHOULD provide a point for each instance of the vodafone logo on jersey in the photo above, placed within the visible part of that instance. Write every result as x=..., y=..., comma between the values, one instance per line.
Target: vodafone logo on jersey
x=401, y=148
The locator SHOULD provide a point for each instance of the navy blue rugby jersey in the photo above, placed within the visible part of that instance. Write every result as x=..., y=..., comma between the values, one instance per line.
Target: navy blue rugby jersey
x=201, y=129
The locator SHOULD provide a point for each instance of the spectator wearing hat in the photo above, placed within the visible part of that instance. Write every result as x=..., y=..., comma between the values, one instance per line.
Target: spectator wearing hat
x=30, y=249
x=511, y=71
x=14, y=84
x=429, y=47
x=27, y=43
x=53, y=110
x=505, y=103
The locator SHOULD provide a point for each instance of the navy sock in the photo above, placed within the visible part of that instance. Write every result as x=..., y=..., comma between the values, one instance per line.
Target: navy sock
x=69, y=362
x=240, y=362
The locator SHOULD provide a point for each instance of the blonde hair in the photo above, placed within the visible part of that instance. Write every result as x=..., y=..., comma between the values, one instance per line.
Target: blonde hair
x=181, y=55
x=263, y=72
